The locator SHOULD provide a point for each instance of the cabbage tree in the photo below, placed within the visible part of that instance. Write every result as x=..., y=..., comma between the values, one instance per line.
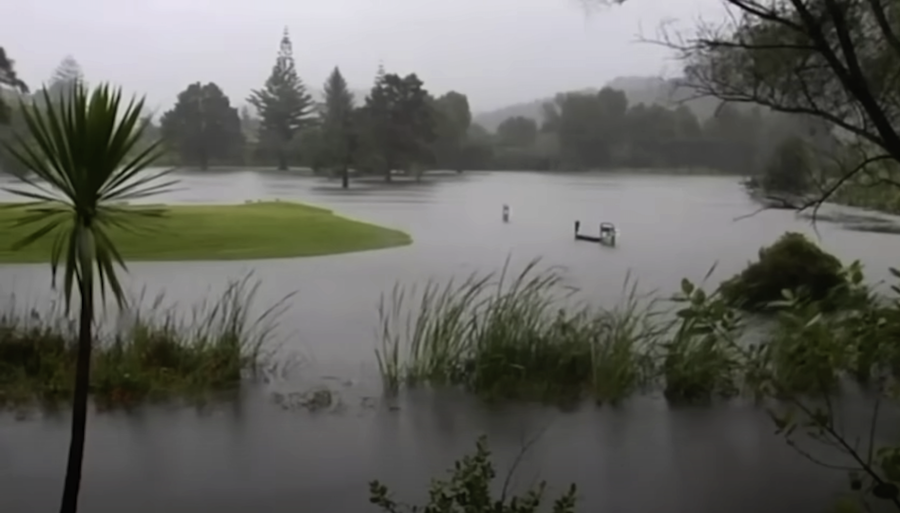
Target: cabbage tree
x=84, y=158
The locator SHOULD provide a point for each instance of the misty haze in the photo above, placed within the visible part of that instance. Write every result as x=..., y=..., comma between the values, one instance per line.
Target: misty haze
x=509, y=256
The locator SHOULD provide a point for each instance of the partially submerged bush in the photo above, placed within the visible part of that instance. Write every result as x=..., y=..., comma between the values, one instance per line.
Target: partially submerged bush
x=792, y=263
x=787, y=171
x=468, y=490
x=159, y=356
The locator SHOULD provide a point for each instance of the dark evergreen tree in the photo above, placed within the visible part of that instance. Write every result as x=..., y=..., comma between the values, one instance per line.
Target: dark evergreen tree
x=452, y=120
x=10, y=87
x=338, y=132
x=8, y=80
x=284, y=105
x=203, y=126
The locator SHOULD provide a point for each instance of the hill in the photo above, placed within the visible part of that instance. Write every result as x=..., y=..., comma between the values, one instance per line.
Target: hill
x=647, y=90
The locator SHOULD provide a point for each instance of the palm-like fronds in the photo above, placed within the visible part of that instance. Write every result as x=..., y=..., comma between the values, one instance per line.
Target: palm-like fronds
x=85, y=157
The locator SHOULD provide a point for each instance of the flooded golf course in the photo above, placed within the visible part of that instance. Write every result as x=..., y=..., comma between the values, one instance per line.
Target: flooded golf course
x=261, y=453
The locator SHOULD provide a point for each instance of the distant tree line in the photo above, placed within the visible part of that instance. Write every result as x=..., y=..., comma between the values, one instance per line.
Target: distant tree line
x=399, y=127
x=601, y=130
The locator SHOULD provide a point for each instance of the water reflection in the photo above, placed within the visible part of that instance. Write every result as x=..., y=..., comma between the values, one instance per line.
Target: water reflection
x=253, y=454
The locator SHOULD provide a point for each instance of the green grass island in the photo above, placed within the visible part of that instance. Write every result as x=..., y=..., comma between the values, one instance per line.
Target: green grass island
x=249, y=231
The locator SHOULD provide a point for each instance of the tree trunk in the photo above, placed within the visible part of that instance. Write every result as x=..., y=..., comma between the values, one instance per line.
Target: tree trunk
x=79, y=400
x=388, y=169
x=204, y=160
x=282, y=160
x=345, y=177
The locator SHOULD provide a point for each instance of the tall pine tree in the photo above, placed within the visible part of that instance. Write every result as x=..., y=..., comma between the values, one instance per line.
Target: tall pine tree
x=379, y=125
x=339, y=137
x=284, y=105
x=65, y=77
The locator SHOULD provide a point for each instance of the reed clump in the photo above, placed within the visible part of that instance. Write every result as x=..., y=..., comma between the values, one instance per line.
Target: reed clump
x=515, y=335
x=158, y=354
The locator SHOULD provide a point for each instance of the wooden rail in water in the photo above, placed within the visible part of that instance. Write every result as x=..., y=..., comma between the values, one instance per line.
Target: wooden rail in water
x=607, y=235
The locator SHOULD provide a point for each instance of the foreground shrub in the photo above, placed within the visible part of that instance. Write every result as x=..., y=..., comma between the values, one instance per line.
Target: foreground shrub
x=159, y=356
x=792, y=263
x=468, y=490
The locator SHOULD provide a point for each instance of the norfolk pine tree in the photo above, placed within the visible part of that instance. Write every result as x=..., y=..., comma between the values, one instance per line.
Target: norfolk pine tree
x=65, y=76
x=284, y=105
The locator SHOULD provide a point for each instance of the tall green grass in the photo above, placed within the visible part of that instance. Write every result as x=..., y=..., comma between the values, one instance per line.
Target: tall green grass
x=515, y=335
x=160, y=353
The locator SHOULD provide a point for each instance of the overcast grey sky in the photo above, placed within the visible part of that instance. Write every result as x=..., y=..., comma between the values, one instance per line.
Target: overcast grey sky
x=495, y=51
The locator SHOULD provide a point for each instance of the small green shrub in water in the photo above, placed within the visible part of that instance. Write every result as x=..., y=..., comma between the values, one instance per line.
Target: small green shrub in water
x=792, y=263
x=158, y=357
x=788, y=170
x=468, y=490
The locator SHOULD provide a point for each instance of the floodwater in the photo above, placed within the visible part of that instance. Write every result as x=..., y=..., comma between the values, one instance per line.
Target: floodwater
x=257, y=454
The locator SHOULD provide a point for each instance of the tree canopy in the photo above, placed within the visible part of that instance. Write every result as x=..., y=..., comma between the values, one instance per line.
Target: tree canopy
x=400, y=122
x=8, y=80
x=452, y=118
x=517, y=131
x=202, y=126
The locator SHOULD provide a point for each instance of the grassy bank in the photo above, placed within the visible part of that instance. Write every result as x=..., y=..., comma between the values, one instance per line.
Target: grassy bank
x=520, y=336
x=159, y=355
x=885, y=198
x=222, y=232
